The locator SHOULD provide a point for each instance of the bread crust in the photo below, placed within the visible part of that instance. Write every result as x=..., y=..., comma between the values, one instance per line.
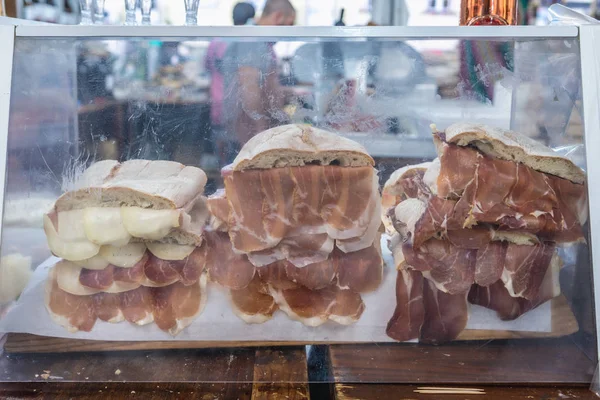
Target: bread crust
x=512, y=146
x=299, y=145
x=138, y=183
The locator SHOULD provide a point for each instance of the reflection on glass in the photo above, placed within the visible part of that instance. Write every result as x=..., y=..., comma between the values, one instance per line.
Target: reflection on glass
x=146, y=10
x=130, y=12
x=86, y=12
x=191, y=12
x=99, y=12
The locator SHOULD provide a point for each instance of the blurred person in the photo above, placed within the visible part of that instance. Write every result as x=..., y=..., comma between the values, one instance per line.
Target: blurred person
x=243, y=13
x=254, y=97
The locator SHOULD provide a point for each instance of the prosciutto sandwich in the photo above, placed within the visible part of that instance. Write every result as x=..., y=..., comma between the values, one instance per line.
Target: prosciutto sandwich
x=300, y=209
x=480, y=224
x=130, y=236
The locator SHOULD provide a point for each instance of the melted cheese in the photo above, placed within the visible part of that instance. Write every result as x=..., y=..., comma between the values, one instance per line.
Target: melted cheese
x=169, y=251
x=103, y=225
x=125, y=256
x=149, y=224
x=96, y=263
x=72, y=246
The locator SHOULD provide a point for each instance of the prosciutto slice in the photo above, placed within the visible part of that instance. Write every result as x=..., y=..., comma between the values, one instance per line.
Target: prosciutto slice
x=175, y=306
x=300, y=250
x=187, y=271
x=315, y=307
x=409, y=314
x=103, y=279
x=225, y=267
x=453, y=269
x=149, y=271
x=76, y=313
x=450, y=268
x=511, y=195
x=361, y=271
x=284, y=275
x=253, y=303
x=496, y=296
x=268, y=205
x=172, y=307
x=423, y=312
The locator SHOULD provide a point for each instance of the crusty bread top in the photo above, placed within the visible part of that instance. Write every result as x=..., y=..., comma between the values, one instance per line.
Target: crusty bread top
x=511, y=146
x=139, y=183
x=397, y=175
x=298, y=145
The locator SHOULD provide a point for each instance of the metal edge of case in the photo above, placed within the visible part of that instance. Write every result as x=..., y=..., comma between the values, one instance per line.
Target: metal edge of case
x=7, y=41
x=297, y=32
x=590, y=70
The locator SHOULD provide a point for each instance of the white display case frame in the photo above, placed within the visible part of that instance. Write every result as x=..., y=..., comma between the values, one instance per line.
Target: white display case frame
x=588, y=37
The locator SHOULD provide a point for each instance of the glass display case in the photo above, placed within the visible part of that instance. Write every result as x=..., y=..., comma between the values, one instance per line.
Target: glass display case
x=314, y=158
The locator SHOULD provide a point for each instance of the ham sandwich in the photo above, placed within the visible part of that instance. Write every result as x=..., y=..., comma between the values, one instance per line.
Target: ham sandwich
x=480, y=224
x=298, y=223
x=131, y=239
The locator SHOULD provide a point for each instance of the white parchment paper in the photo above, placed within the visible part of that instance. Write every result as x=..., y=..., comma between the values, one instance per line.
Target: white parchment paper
x=219, y=323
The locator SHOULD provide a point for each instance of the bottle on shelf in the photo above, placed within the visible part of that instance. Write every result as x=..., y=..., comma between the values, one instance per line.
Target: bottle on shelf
x=489, y=12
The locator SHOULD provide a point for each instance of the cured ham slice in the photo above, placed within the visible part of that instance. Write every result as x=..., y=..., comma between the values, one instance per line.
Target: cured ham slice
x=368, y=237
x=149, y=271
x=424, y=312
x=300, y=250
x=172, y=308
x=314, y=276
x=360, y=271
x=108, y=307
x=496, y=297
x=225, y=267
x=315, y=307
x=450, y=268
x=488, y=265
x=282, y=275
x=268, y=205
x=253, y=304
x=161, y=272
x=175, y=306
x=511, y=195
x=453, y=270
x=103, y=279
x=409, y=314
x=136, y=306
x=75, y=313
x=219, y=209
x=525, y=268
x=275, y=275
x=446, y=315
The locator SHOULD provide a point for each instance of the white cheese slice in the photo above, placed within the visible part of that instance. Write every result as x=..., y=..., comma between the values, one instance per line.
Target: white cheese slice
x=95, y=263
x=149, y=224
x=73, y=247
x=125, y=256
x=170, y=251
x=103, y=225
x=70, y=226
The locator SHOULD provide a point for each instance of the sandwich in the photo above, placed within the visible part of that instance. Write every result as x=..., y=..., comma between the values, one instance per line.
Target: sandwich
x=130, y=237
x=481, y=224
x=301, y=210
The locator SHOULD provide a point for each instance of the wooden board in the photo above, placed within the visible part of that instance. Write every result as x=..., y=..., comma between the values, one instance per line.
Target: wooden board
x=563, y=324
x=286, y=367
x=414, y=392
x=526, y=361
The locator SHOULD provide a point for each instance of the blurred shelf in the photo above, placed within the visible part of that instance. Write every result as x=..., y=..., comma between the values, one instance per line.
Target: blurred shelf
x=393, y=146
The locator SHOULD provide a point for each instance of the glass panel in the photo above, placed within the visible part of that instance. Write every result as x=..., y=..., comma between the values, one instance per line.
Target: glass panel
x=316, y=287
